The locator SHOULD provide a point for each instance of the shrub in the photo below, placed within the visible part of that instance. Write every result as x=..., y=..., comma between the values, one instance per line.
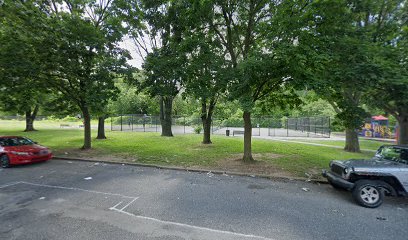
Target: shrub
x=198, y=129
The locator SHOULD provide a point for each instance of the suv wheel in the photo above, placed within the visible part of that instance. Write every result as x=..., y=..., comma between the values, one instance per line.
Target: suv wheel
x=4, y=161
x=368, y=193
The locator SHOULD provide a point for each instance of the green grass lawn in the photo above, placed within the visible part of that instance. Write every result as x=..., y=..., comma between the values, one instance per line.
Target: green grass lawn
x=187, y=151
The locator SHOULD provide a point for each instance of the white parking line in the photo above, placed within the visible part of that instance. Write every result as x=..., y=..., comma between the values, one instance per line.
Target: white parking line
x=190, y=226
x=133, y=199
x=9, y=184
x=78, y=189
x=128, y=204
x=114, y=207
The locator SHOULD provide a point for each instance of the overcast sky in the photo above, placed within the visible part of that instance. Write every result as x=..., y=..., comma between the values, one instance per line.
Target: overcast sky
x=129, y=45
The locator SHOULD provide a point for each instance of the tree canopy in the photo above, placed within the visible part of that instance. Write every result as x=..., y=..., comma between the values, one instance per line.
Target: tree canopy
x=255, y=54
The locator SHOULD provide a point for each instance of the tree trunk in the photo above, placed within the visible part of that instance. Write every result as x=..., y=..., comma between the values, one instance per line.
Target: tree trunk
x=247, y=137
x=352, y=144
x=101, y=128
x=207, y=130
x=403, y=130
x=30, y=118
x=87, y=128
x=206, y=118
x=166, y=105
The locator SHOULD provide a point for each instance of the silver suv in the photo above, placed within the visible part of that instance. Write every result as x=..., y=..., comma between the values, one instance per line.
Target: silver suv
x=370, y=180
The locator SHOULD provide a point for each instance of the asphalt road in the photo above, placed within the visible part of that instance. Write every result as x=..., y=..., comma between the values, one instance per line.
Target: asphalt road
x=83, y=200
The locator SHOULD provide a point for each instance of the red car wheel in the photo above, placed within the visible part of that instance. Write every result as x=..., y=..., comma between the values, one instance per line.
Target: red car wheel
x=5, y=161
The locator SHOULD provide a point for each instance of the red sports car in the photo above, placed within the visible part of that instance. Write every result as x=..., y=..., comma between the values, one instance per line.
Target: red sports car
x=20, y=150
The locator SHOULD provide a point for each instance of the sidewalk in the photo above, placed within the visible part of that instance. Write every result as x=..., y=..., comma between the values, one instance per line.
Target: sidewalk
x=317, y=144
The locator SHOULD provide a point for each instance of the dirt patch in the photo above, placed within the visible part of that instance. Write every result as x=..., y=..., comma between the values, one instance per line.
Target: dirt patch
x=93, y=154
x=261, y=166
x=234, y=163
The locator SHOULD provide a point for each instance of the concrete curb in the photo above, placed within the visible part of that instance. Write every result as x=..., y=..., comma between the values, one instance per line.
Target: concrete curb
x=265, y=176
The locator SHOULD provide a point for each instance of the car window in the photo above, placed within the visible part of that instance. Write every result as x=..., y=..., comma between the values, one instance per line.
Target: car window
x=12, y=142
x=390, y=153
x=394, y=154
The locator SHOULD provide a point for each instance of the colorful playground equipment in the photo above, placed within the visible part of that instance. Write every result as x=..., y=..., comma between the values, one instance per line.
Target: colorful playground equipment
x=377, y=127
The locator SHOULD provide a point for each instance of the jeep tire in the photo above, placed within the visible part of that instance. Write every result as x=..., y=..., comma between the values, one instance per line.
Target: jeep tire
x=368, y=193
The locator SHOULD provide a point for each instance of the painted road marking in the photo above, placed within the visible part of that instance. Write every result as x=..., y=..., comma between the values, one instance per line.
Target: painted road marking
x=78, y=189
x=190, y=226
x=9, y=184
x=133, y=199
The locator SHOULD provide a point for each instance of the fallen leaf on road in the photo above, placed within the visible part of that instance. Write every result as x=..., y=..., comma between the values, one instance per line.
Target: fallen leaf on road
x=88, y=178
x=381, y=218
x=306, y=189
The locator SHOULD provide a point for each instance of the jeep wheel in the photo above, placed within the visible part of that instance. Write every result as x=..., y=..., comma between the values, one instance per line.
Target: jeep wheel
x=4, y=161
x=368, y=194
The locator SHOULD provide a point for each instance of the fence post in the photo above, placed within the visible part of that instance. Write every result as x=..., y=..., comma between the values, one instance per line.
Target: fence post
x=111, y=123
x=184, y=123
x=287, y=127
x=259, y=125
x=121, y=123
x=329, y=127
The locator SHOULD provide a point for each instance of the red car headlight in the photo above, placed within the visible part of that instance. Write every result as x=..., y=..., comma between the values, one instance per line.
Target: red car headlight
x=21, y=153
x=43, y=152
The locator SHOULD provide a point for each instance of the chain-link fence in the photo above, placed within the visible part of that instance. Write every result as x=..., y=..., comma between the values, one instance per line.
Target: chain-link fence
x=235, y=126
x=261, y=126
x=146, y=123
x=22, y=118
x=182, y=125
x=300, y=127
x=71, y=122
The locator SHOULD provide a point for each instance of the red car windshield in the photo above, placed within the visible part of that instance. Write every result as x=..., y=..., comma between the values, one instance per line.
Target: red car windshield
x=12, y=142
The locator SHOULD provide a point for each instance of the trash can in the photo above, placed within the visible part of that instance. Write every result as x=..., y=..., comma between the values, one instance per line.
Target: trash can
x=227, y=132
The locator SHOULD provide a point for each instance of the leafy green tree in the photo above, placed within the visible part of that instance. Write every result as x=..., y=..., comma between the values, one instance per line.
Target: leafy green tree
x=22, y=89
x=82, y=58
x=157, y=37
x=163, y=81
x=348, y=33
x=206, y=72
x=261, y=41
x=184, y=105
x=130, y=101
x=391, y=39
